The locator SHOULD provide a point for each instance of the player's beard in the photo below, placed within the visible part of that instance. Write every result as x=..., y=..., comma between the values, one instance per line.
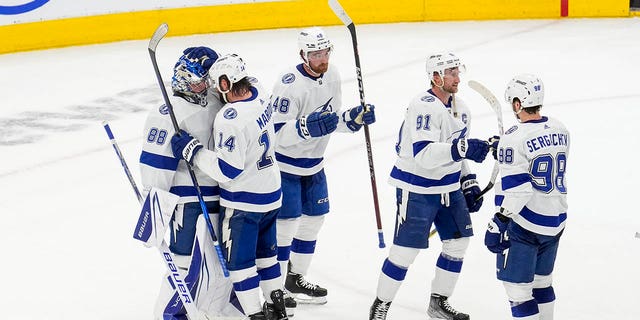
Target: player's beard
x=321, y=68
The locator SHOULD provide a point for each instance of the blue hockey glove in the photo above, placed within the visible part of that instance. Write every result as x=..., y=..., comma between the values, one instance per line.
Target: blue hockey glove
x=472, y=149
x=496, y=238
x=184, y=146
x=355, y=117
x=471, y=191
x=205, y=55
x=493, y=144
x=317, y=124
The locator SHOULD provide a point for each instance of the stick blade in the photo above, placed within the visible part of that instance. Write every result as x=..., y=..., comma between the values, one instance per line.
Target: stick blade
x=160, y=32
x=490, y=98
x=339, y=11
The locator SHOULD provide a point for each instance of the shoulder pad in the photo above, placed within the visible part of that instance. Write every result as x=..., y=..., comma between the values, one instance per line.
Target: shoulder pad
x=511, y=130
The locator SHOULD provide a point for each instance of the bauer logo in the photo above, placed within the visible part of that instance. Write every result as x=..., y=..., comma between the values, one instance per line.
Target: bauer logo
x=22, y=8
x=288, y=78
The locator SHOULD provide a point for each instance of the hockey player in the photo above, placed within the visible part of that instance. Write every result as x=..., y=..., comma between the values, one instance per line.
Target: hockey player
x=243, y=162
x=306, y=102
x=531, y=201
x=433, y=185
x=195, y=110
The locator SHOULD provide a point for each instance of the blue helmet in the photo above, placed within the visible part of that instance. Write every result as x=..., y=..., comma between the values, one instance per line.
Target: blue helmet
x=190, y=80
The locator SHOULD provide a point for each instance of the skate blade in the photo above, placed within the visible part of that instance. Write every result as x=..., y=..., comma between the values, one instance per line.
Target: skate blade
x=290, y=312
x=305, y=299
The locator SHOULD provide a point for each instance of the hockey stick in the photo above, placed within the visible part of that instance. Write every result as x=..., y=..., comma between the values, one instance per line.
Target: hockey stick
x=160, y=32
x=495, y=105
x=339, y=11
x=105, y=124
x=178, y=280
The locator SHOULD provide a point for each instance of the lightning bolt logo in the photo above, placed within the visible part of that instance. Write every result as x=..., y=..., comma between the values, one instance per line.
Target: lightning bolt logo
x=226, y=231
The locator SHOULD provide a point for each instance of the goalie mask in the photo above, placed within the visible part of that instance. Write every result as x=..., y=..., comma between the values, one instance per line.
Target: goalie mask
x=189, y=81
x=439, y=63
x=528, y=88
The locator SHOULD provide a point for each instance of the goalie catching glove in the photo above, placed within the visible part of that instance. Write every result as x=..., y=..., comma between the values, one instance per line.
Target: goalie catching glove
x=184, y=146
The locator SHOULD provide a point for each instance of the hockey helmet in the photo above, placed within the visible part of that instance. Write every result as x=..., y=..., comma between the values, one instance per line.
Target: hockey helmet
x=439, y=62
x=231, y=66
x=313, y=39
x=528, y=88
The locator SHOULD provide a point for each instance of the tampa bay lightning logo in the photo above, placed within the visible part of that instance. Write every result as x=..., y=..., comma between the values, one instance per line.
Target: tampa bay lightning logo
x=511, y=130
x=428, y=99
x=163, y=109
x=288, y=78
x=326, y=107
x=22, y=8
x=230, y=113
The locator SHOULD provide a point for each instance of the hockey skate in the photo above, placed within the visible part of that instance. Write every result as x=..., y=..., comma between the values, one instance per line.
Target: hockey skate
x=290, y=303
x=379, y=310
x=303, y=291
x=440, y=309
x=277, y=309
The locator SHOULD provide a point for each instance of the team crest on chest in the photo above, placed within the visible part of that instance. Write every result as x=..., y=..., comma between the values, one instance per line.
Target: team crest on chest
x=428, y=99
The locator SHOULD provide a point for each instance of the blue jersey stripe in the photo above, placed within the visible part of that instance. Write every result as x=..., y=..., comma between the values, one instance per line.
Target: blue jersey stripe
x=515, y=180
x=418, y=146
x=298, y=162
x=228, y=170
x=499, y=199
x=416, y=180
x=541, y=220
x=278, y=126
x=190, y=191
x=159, y=161
x=251, y=197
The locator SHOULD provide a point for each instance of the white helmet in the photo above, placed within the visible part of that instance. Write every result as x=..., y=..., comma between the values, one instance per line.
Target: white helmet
x=231, y=66
x=313, y=39
x=527, y=88
x=440, y=62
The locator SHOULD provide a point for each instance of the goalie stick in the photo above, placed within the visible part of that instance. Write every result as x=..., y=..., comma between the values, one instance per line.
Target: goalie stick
x=340, y=13
x=495, y=106
x=160, y=32
x=176, y=279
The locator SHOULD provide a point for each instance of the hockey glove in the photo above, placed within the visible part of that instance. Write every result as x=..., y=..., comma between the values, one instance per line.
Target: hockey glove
x=496, y=238
x=472, y=149
x=357, y=116
x=184, y=146
x=493, y=144
x=471, y=191
x=205, y=55
x=317, y=124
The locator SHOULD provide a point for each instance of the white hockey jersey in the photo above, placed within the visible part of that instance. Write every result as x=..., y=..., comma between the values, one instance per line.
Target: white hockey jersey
x=424, y=163
x=158, y=167
x=297, y=94
x=243, y=157
x=533, y=161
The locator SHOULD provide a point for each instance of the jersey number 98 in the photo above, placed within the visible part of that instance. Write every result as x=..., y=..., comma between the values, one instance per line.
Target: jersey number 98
x=548, y=171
